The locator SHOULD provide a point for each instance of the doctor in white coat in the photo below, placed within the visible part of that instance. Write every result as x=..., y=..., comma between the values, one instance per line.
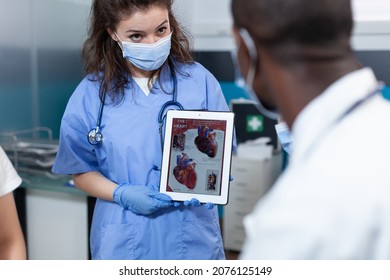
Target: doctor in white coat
x=333, y=200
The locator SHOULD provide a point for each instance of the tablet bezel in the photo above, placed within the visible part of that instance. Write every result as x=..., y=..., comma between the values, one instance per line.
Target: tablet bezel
x=224, y=162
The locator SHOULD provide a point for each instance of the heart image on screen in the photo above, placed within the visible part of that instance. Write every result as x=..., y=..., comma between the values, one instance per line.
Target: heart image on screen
x=184, y=171
x=206, y=142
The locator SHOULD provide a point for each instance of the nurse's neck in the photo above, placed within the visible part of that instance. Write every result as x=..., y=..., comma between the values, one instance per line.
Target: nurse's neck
x=139, y=73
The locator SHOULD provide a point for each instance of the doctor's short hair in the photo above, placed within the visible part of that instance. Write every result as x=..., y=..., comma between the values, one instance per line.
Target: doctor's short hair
x=294, y=22
x=102, y=55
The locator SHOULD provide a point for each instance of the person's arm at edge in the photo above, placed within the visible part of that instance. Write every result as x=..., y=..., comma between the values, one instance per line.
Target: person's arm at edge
x=12, y=243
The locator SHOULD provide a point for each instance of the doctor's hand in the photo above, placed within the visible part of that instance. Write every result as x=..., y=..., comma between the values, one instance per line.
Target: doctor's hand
x=142, y=200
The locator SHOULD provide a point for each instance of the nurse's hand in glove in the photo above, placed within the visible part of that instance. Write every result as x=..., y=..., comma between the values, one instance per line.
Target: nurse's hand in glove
x=142, y=200
x=196, y=203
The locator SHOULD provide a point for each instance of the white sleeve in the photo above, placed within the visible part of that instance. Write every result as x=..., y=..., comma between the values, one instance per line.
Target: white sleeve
x=9, y=178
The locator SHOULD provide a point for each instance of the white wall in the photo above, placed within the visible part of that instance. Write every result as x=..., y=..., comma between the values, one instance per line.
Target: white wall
x=372, y=25
x=210, y=23
x=371, y=10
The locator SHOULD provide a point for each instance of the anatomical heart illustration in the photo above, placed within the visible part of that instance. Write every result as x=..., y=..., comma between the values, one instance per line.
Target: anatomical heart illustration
x=184, y=171
x=206, y=141
x=196, y=151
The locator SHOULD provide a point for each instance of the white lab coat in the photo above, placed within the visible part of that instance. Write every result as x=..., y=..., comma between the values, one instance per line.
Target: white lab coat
x=333, y=200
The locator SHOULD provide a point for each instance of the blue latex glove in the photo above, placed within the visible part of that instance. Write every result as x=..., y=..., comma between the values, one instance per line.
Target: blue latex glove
x=195, y=202
x=176, y=203
x=142, y=200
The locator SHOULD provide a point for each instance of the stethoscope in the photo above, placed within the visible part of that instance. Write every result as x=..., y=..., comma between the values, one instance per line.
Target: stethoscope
x=95, y=135
x=165, y=106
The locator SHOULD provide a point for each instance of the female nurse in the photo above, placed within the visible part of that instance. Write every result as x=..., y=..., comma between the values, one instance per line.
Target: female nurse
x=137, y=60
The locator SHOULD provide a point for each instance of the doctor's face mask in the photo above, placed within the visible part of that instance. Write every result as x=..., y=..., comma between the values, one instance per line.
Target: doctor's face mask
x=251, y=76
x=147, y=57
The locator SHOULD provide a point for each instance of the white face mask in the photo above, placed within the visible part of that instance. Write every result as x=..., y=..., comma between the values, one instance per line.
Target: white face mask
x=284, y=136
x=147, y=57
x=251, y=76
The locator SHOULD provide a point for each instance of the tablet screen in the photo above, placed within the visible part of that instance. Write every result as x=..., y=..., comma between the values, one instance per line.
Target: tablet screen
x=197, y=155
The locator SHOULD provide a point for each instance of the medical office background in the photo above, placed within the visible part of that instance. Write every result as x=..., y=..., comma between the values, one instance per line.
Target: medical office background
x=40, y=66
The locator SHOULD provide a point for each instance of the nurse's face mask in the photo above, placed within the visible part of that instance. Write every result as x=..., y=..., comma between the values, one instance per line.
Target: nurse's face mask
x=147, y=57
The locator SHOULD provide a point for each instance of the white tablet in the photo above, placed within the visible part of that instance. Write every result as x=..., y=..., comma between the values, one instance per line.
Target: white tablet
x=197, y=155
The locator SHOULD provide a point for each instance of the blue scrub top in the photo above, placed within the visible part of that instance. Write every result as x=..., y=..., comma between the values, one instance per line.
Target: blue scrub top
x=130, y=149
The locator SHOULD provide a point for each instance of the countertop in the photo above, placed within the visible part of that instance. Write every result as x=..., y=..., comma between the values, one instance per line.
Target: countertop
x=61, y=184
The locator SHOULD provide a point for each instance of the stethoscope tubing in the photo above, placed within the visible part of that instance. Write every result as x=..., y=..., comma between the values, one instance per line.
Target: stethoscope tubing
x=95, y=135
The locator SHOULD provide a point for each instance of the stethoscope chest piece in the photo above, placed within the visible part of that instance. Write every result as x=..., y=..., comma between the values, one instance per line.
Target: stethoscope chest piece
x=95, y=136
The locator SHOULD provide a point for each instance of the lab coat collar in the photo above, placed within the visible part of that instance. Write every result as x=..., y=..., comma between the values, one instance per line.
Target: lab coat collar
x=324, y=110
